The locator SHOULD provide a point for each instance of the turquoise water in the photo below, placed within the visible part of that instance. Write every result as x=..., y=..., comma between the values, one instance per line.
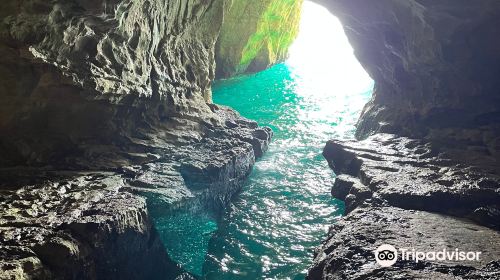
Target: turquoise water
x=271, y=229
x=186, y=234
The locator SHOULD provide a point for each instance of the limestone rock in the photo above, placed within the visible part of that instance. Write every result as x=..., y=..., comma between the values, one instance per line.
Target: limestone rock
x=411, y=174
x=349, y=251
x=84, y=227
x=256, y=35
x=92, y=225
x=408, y=193
x=82, y=78
x=105, y=121
x=435, y=66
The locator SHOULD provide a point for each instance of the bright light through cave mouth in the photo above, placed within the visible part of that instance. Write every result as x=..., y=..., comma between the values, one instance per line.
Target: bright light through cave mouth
x=285, y=207
x=322, y=53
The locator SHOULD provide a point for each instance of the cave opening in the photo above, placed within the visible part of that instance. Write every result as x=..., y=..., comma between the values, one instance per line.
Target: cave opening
x=114, y=164
x=315, y=95
x=321, y=54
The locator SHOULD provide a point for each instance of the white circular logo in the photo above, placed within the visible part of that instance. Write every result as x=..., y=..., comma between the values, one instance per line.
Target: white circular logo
x=386, y=255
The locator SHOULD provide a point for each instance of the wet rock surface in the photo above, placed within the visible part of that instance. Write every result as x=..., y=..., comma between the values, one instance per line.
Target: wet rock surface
x=348, y=252
x=97, y=225
x=434, y=64
x=409, y=194
x=105, y=116
x=85, y=227
x=93, y=83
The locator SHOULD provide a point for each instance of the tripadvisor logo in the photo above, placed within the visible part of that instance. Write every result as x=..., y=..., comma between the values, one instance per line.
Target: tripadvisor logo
x=387, y=255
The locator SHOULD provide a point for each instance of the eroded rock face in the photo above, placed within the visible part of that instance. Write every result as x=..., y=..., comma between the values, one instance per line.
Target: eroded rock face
x=117, y=92
x=78, y=75
x=98, y=225
x=85, y=227
x=412, y=174
x=435, y=65
x=409, y=194
x=348, y=253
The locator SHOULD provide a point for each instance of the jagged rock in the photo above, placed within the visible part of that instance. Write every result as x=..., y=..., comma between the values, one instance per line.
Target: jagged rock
x=97, y=82
x=393, y=188
x=81, y=228
x=351, y=191
x=435, y=66
x=95, y=225
x=124, y=86
x=118, y=93
x=210, y=171
x=349, y=251
x=411, y=174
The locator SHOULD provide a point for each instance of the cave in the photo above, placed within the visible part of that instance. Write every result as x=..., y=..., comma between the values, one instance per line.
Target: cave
x=115, y=139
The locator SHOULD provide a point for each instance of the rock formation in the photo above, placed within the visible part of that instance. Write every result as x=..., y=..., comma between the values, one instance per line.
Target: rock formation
x=103, y=77
x=408, y=194
x=82, y=227
x=106, y=116
x=93, y=225
x=256, y=35
x=433, y=182
x=434, y=63
x=106, y=109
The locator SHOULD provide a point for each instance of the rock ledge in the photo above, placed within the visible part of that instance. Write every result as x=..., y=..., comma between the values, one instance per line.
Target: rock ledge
x=406, y=193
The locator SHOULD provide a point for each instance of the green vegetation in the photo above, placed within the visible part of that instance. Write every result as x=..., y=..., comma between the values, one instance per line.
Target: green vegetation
x=277, y=28
x=256, y=34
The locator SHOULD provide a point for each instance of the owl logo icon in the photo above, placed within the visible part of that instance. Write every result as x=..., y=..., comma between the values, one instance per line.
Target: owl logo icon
x=386, y=255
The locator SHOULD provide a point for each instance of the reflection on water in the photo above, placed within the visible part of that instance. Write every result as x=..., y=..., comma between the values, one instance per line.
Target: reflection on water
x=269, y=232
x=285, y=208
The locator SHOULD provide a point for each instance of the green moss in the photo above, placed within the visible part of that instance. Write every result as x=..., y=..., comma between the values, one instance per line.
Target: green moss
x=256, y=34
x=276, y=30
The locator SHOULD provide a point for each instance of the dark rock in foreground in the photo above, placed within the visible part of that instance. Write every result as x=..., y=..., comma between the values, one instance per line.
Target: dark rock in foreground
x=348, y=252
x=408, y=194
x=106, y=116
x=97, y=225
x=82, y=228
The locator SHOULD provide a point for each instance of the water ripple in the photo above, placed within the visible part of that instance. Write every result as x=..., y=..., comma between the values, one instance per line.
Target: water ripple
x=270, y=231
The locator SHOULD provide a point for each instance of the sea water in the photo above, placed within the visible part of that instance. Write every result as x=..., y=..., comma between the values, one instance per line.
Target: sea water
x=285, y=208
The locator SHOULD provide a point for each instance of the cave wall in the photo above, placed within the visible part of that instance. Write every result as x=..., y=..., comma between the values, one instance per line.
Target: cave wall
x=256, y=35
x=430, y=173
x=436, y=66
x=106, y=124
x=78, y=75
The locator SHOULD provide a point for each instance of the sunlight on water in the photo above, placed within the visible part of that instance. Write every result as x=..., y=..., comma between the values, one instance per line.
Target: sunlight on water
x=285, y=209
x=269, y=232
